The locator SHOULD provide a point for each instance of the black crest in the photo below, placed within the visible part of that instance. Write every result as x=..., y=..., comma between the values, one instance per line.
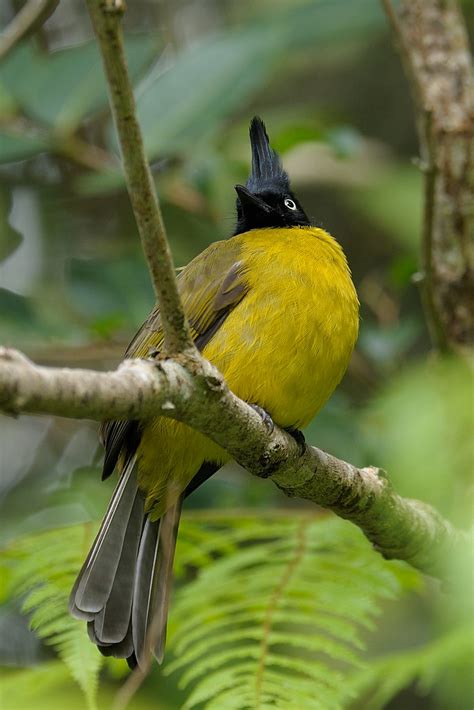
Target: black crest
x=266, y=200
x=267, y=170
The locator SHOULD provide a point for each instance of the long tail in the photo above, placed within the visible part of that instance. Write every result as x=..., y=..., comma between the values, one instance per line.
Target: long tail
x=123, y=588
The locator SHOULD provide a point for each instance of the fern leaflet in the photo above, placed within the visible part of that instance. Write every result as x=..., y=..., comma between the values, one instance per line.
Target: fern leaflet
x=276, y=620
x=43, y=570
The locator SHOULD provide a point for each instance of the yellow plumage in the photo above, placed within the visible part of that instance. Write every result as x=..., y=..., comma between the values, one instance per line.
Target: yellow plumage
x=285, y=345
x=274, y=308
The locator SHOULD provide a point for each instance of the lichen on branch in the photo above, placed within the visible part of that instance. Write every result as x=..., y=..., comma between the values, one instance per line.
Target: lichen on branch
x=432, y=39
x=398, y=527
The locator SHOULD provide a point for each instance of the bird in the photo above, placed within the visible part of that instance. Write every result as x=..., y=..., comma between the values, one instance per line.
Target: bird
x=274, y=308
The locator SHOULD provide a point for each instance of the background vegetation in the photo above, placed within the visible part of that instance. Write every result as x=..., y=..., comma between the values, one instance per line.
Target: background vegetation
x=347, y=630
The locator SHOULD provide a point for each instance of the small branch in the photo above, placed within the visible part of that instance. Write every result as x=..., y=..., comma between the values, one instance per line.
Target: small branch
x=85, y=154
x=106, y=16
x=432, y=39
x=31, y=16
x=70, y=146
x=398, y=527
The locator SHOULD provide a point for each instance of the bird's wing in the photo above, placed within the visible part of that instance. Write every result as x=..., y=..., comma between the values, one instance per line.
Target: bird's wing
x=210, y=287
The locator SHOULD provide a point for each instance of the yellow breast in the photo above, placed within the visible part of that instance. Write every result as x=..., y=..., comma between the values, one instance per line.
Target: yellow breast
x=285, y=347
x=287, y=344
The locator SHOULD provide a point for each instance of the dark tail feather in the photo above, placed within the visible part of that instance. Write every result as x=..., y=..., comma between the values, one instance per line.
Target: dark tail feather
x=153, y=584
x=123, y=588
x=111, y=624
x=94, y=582
x=168, y=535
x=143, y=590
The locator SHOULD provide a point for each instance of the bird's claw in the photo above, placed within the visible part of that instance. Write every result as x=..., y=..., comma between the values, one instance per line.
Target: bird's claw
x=265, y=417
x=298, y=436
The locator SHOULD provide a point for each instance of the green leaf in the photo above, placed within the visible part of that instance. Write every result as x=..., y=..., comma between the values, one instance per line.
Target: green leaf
x=62, y=88
x=44, y=568
x=7, y=103
x=207, y=82
x=183, y=104
x=15, y=145
x=16, y=309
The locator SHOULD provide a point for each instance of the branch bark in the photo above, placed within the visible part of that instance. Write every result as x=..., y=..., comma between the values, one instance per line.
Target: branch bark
x=398, y=527
x=434, y=47
x=106, y=16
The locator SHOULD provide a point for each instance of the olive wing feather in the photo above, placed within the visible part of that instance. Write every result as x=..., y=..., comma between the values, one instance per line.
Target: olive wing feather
x=210, y=287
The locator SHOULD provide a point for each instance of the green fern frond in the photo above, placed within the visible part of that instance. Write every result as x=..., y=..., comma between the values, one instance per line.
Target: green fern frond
x=43, y=570
x=276, y=619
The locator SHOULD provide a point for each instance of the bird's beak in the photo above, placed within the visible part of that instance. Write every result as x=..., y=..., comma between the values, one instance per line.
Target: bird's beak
x=250, y=200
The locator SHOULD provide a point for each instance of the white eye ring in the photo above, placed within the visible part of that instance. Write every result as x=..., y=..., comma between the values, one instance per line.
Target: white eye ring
x=290, y=204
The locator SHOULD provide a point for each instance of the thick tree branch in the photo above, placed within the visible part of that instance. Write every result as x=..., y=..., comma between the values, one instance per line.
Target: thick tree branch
x=433, y=43
x=398, y=527
x=106, y=16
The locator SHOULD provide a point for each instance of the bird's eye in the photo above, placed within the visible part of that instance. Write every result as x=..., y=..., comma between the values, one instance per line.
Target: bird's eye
x=290, y=204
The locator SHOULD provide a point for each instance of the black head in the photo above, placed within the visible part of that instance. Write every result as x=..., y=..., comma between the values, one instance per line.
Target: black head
x=266, y=200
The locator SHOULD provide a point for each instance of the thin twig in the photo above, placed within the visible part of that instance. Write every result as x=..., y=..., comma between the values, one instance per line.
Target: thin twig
x=85, y=154
x=70, y=146
x=33, y=14
x=106, y=16
x=132, y=685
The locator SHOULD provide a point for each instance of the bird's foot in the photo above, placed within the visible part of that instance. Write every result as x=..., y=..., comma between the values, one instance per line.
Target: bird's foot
x=265, y=417
x=298, y=436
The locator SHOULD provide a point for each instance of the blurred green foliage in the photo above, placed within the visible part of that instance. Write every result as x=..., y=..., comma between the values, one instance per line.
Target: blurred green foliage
x=426, y=455
x=34, y=573
x=73, y=288
x=57, y=91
